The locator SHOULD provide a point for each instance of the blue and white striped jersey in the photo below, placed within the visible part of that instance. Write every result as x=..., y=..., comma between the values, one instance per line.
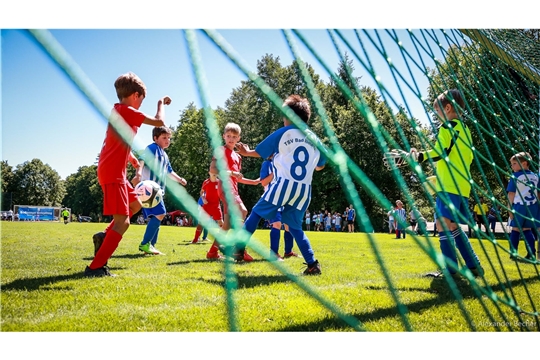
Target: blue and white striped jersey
x=294, y=162
x=400, y=214
x=161, y=163
x=524, y=184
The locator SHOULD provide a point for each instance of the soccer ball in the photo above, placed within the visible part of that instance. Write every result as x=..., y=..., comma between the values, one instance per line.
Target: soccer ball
x=149, y=192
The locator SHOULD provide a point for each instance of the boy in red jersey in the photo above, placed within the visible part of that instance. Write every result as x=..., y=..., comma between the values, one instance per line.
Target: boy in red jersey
x=211, y=205
x=231, y=135
x=119, y=198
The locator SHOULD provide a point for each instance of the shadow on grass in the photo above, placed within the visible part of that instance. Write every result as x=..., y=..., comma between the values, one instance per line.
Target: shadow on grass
x=437, y=286
x=123, y=256
x=247, y=282
x=44, y=283
x=208, y=261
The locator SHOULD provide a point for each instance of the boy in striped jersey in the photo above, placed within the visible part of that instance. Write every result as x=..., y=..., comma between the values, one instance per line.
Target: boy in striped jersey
x=453, y=156
x=523, y=198
x=295, y=160
x=161, y=171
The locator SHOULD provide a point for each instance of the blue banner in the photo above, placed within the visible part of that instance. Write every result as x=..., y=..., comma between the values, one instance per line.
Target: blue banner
x=36, y=213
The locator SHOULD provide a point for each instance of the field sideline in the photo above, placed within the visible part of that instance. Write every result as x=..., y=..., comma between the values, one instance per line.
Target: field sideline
x=43, y=289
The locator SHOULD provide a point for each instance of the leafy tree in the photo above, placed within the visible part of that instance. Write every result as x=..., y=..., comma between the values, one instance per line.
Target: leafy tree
x=83, y=193
x=190, y=153
x=36, y=183
x=7, y=178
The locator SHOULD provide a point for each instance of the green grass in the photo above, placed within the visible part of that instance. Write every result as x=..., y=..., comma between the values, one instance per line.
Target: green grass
x=43, y=288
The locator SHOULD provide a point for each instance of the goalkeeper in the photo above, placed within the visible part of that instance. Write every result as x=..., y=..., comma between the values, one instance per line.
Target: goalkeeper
x=453, y=156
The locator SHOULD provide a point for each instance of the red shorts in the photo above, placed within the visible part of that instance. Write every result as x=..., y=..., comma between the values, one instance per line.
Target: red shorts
x=214, y=210
x=117, y=197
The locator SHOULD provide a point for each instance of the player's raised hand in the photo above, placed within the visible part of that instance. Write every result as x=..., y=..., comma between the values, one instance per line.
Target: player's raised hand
x=166, y=100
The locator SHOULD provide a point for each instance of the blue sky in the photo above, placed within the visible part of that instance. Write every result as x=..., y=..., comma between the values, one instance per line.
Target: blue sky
x=45, y=116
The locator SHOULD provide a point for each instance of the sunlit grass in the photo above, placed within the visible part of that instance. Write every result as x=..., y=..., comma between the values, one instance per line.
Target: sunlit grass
x=43, y=288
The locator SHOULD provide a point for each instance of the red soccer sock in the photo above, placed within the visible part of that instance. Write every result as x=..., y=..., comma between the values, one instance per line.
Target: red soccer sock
x=110, y=243
x=214, y=248
x=111, y=224
x=197, y=233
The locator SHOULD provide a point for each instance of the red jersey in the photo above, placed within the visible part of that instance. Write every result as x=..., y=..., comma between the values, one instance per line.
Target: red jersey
x=211, y=191
x=114, y=154
x=234, y=163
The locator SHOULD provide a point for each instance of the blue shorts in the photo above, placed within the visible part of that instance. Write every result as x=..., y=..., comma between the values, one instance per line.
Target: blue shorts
x=460, y=204
x=277, y=217
x=289, y=215
x=526, y=216
x=155, y=211
x=338, y=228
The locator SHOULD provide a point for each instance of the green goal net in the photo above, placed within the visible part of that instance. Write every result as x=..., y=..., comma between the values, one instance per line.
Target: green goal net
x=497, y=72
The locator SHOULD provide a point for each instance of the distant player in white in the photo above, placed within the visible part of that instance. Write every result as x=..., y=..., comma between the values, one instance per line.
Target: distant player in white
x=523, y=198
x=295, y=160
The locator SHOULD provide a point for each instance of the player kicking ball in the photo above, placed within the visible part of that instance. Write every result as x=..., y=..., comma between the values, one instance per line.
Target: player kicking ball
x=295, y=160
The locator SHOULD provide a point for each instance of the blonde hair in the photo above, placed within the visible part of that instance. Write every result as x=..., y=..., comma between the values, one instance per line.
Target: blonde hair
x=127, y=84
x=232, y=127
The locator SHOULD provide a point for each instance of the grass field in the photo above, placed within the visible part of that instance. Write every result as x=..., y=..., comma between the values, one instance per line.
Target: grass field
x=43, y=288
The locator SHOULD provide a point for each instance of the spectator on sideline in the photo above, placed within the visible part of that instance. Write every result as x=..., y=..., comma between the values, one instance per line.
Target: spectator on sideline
x=308, y=220
x=391, y=224
x=480, y=212
x=351, y=217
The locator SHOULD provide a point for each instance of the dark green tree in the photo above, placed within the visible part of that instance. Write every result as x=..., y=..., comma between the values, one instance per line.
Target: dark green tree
x=83, y=193
x=7, y=178
x=190, y=153
x=36, y=183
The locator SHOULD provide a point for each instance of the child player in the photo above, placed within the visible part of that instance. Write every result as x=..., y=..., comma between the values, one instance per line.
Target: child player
x=231, y=136
x=523, y=198
x=119, y=198
x=453, y=156
x=295, y=160
x=210, y=203
x=266, y=175
x=158, y=169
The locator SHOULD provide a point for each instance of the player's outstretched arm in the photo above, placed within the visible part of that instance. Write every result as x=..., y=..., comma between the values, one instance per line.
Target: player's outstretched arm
x=178, y=178
x=159, y=119
x=249, y=181
x=244, y=150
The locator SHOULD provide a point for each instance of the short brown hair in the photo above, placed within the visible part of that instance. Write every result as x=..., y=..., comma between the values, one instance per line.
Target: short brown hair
x=452, y=97
x=522, y=157
x=232, y=127
x=159, y=130
x=128, y=84
x=300, y=106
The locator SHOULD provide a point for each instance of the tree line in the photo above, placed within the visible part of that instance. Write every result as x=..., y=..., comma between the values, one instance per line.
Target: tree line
x=190, y=153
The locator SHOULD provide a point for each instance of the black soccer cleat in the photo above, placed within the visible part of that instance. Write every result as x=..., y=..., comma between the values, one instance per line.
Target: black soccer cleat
x=100, y=272
x=313, y=269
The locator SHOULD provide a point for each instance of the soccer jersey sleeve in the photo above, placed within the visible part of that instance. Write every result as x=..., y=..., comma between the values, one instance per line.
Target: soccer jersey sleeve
x=270, y=145
x=266, y=169
x=511, y=185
